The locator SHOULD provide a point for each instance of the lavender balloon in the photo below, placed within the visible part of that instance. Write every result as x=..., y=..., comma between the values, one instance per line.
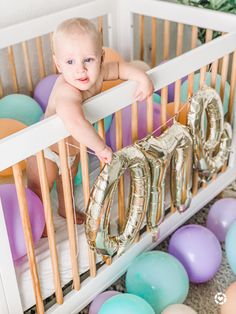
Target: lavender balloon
x=198, y=249
x=99, y=300
x=221, y=215
x=43, y=90
x=12, y=217
x=142, y=124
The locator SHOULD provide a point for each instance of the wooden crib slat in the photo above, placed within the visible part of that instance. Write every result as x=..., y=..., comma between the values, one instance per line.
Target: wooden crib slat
x=164, y=100
x=1, y=89
x=86, y=193
x=214, y=69
x=154, y=41
x=166, y=38
x=193, y=45
x=54, y=68
x=101, y=132
x=149, y=114
x=40, y=57
x=100, y=24
x=118, y=120
x=232, y=88
x=69, y=213
x=27, y=66
x=121, y=188
x=134, y=121
x=50, y=225
x=224, y=72
x=179, y=50
x=141, y=37
x=13, y=69
x=23, y=206
x=208, y=37
x=180, y=37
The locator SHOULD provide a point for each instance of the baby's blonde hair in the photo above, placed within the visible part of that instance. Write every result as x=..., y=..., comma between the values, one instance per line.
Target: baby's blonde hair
x=78, y=26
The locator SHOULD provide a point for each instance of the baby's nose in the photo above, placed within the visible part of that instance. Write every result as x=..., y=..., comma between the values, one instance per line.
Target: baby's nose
x=80, y=68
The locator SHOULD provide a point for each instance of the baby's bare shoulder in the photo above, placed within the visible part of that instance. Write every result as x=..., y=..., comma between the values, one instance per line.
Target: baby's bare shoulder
x=64, y=91
x=62, y=94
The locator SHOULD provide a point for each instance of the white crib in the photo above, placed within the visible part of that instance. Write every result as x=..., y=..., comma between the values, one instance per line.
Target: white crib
x=120, y=21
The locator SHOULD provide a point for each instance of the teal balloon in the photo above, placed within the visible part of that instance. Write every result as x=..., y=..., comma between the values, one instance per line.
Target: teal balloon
x=78, y=177
x=107, y=123
x=184, y=88
x=230, y=246
x=21, y=108
x=159, y=278
x=126, y=303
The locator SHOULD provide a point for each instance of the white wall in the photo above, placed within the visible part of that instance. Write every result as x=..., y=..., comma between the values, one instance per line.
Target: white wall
x=16, y=11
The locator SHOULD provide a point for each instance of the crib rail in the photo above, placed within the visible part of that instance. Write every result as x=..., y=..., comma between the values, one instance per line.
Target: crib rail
x=35, y=137
x=32, y=140
x=183, y=14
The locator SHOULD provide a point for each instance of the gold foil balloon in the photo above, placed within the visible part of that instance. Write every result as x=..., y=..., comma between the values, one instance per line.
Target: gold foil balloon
x=148, y=161
x=101, y=197
x=173, y=147
x=212, y=151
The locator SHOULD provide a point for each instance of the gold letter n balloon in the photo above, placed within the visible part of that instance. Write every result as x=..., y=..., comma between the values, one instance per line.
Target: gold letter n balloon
x=148, y=161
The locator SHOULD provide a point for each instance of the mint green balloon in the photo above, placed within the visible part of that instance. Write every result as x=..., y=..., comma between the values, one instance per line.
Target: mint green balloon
x=107, y=124
x=126, y=303
x=230, y=249
x=78, y=177
x=21, y=108
x=159, y=278
x=184, y=88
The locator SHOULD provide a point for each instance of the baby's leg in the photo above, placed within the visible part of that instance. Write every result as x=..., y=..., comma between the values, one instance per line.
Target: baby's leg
x=80, y=217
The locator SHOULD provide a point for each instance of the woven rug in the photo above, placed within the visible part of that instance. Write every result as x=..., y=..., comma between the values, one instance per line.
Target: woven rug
x=200, y=296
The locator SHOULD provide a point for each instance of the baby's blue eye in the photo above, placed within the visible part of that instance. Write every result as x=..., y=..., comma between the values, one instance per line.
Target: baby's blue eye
x=70, y=61
x=87, y=60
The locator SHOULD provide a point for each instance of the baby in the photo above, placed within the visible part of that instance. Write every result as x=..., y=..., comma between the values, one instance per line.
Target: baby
x=78, y=55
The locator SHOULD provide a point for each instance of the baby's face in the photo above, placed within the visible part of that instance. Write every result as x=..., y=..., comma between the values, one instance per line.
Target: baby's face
x=78, y=59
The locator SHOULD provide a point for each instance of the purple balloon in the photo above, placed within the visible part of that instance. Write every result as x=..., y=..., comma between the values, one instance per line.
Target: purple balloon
x=171, y=87
x=142, y=124
x=12, y=216
x=221, y=215
x=43, y=90
x=198, y=249
x=99, y=300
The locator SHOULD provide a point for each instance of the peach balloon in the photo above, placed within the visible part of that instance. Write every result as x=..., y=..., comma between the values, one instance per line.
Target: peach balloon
x=229, y=307
x=178, y=309
x=111, y=55
x=8, y=127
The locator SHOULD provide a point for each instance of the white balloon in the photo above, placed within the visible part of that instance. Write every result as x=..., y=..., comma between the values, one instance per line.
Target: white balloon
x=178, y=309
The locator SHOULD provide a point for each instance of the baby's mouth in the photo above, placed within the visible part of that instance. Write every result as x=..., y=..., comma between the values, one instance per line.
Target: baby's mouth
x=83, y=80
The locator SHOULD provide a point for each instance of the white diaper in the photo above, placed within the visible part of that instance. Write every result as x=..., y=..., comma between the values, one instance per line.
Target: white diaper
x=49, y=154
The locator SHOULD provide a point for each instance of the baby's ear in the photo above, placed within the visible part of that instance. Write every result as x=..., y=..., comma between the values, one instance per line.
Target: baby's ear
x=57, y=64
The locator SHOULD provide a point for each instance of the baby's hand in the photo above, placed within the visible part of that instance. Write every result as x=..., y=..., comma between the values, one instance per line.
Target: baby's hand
x=105, y=155
x=145, y=88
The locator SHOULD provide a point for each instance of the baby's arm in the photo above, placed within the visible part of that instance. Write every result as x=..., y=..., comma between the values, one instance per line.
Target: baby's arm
x=69, y=109
x=127, y=71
